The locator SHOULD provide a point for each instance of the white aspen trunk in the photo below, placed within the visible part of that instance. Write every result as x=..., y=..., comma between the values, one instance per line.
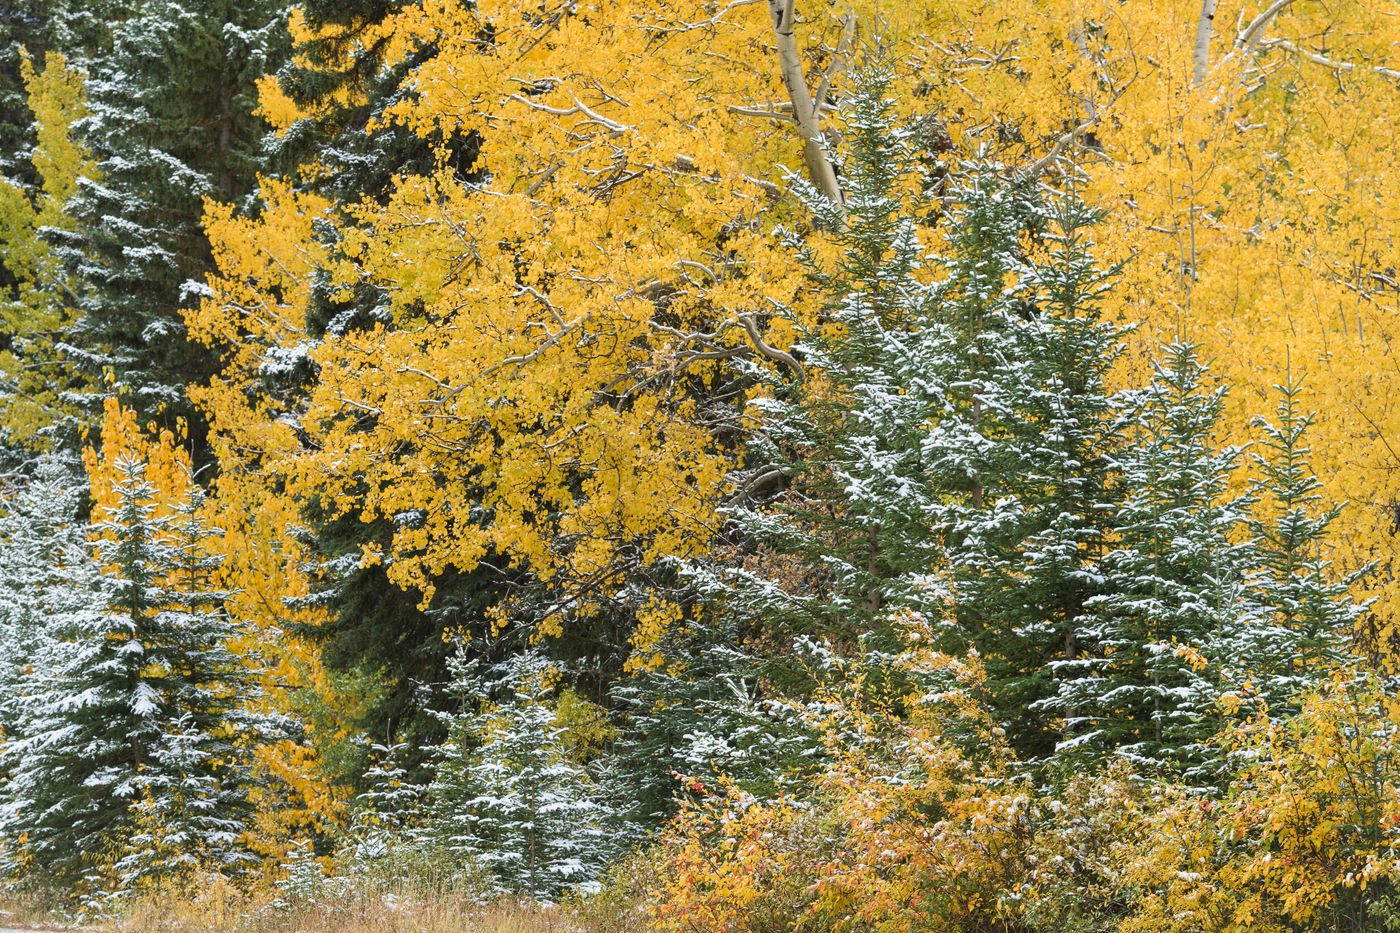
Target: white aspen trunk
x=804, y=110
x=1200, y=55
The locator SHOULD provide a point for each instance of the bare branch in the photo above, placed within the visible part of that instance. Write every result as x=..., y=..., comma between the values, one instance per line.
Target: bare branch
x=716, y=20
x=543, y=179
x=1049, y=159
x=1326, y=62
x=579, y=108
x=775, y=114
x=759, y=478
x=772, y=352
x=838, y=58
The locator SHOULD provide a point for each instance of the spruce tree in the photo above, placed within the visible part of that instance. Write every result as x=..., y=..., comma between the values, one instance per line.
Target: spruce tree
x=77, y=29
x=173, y=122
x=60, y=806
x=855, y=520
x=389, y=811
x=43, y=549
x=1176, y=591
x=947, y=459
x=137, y=744
x=698, y=712
x=343, y=78
x=1025, y=439
x=507, y=795
x=1305, y=615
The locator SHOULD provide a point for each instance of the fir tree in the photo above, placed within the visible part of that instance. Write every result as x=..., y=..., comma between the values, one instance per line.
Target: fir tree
x=43, y=548
x=60, y=806
x=390, y=809
x=1177, y=590
x=507, y=794
x=78, y=29
x=698, y=711
x=948, y=459
x=1024, y=441
x=172, y=123
x=344, y=79
x=138, y=742
x=1305, y=613
x=854, y=522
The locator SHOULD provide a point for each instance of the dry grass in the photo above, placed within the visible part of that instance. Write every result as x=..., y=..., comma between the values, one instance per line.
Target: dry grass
x=216, y=907
x=424, y=900
x=20, y=914
x=411, y=918
x=211, y=905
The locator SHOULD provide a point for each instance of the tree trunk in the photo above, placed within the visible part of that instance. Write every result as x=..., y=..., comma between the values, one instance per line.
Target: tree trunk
x=804, y=109
x=1200, y=55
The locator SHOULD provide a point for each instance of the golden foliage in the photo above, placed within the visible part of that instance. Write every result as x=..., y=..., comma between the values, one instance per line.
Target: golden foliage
x=531, y=390
x=1251, y=183
x=911, y=831
x=39, y=306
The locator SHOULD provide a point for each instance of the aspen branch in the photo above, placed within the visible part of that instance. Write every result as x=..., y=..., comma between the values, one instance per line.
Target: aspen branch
x=775, y=114
x=552, y=24
x=772, y=352
x=1095, y=117
x=760, y=478
x=579, y=108
x=543, y=179
x=1324, y=61
x=1090, y=110
x=685, y=165
x=1248, y=39
x=1049, y=159
x=715, y=20
x=838, y=59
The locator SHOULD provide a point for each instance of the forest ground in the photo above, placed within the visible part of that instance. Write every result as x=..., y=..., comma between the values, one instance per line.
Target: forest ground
x=385, y=915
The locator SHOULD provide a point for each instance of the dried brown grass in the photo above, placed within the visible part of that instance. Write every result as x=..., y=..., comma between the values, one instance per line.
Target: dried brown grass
x=217, y=907
x=412, y=902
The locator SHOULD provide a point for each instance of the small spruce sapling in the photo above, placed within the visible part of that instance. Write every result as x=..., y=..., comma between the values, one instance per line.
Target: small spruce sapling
x=508, y=796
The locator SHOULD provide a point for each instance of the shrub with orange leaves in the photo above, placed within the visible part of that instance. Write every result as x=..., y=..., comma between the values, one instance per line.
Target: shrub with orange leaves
x=919, y=822
x=1315, y=815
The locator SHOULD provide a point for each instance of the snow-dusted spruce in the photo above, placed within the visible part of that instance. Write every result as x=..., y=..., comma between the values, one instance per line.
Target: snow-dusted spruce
x=389, y=811
x=851, y=522
x=507, y=794
x=1305, y=614
x=699, y=712
x=947, y=456
x=1021, y=442
x=1176, y=593
x=133, y=752
x=53, y=807
x=172, y=122
x=44, y=564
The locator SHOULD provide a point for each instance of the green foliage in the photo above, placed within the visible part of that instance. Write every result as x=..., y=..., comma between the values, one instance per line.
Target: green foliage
x=187, y=75
x=507, y=794
x=134, y=736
